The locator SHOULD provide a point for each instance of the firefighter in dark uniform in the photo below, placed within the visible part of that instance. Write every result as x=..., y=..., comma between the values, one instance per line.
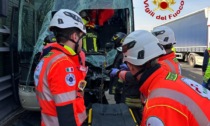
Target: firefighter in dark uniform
x=125, y=87
x=116, y=85
x=48, y=40
x=90, y=40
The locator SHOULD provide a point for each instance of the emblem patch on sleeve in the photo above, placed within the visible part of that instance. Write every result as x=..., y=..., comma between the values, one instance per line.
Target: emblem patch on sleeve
x=70, y=79
x=171, y=76
x=154, y=121
x=197, y=87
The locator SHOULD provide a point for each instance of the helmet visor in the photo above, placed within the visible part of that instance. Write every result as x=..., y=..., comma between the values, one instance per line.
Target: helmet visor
x=156, y=33
x=128, y=46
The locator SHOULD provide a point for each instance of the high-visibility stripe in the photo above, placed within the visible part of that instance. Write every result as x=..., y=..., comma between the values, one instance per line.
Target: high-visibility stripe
x=65, y=97
x=82, y=116
x=46, y=89
x=173, y=69
x=46, y=94
x=50, y=120
x=84, y=43
x=72, y=52
x=84, y=21
x=95, y=45
x=184, y=100
x=43, y=96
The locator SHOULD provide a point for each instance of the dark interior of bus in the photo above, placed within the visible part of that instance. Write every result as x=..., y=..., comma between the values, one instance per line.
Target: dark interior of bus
x=107, y=22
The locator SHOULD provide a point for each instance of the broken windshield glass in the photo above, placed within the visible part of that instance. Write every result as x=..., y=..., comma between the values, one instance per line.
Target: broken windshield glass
x=38, y=14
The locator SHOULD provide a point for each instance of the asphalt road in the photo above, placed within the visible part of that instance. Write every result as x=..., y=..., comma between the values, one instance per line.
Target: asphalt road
x=192, y=73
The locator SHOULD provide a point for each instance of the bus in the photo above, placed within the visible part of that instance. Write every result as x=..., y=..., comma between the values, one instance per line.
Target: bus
x=33, y=22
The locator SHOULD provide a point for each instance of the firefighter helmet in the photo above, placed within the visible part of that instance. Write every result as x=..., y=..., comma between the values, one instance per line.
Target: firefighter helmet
x=118, y=38
x=140, y=47
x=165, y=35
x=65, y=18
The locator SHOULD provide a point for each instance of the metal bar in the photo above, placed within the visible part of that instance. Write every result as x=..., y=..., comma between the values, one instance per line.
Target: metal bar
x=4, y=30
x=5, y=78
x=4, y=49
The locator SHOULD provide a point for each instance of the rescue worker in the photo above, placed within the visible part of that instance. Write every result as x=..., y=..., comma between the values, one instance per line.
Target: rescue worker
x=125, y=90
x=170, y=99
x=116, y=85
x=59, y=77
x=166, y=38
x=130, y=94
x=48, y=40
x=85, y=17
x=90, y=40
x=206, y=69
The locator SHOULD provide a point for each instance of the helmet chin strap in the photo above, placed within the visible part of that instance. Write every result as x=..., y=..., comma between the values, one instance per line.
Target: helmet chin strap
x=139, y=72
x=144, y=67
x=76, y=43
x=76, y=47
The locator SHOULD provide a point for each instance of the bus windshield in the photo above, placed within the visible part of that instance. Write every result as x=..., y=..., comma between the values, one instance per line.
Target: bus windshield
x=35, y=16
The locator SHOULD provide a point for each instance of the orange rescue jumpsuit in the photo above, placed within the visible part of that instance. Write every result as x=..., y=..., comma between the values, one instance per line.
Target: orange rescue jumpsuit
x=57, y=77
x=170, y=63
x=173, y=100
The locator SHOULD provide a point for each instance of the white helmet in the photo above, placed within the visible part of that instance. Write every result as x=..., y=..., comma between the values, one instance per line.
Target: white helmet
x=165, y=35
x=65, y=18
x=141, y=46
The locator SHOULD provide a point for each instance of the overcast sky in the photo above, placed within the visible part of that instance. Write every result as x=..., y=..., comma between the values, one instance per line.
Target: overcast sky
x=145, y=21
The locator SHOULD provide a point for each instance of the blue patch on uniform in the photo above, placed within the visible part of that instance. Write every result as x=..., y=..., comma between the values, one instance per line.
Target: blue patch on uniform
x=70, y=79
x=37, y=72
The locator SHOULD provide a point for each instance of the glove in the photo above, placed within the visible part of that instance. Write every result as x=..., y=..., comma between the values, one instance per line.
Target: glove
x=114, y=72
x=124, y=67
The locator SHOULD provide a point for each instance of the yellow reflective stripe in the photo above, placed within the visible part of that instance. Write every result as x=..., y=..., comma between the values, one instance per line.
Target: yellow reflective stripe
x=84, y=21
x=50, y=120
x=114, y=38
x=82, y=116
x=65, y=97
x=137, y=105
x=53, y=39
x=95, y=45
x=72, y=52
x=134, y=100
x=173, y=49
x=90, y=117
x=120, y=81
x=134, y=119
x=183, y=99
x=84, y=43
